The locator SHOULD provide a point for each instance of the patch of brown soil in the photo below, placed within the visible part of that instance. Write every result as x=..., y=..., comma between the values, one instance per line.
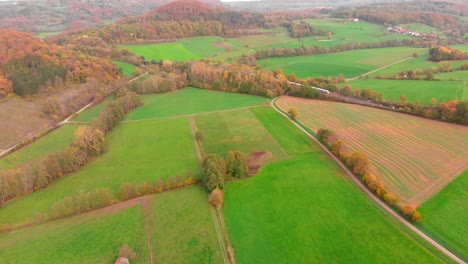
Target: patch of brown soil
x=256, y=160
x=222, y=45
x=18, y=120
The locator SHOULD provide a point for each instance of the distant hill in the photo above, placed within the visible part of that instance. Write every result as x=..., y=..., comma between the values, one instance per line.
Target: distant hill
x=43, y=16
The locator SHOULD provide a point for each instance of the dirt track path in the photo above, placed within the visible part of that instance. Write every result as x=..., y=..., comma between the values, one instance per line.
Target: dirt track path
x=146, y=205
x=376, y=70
x=370, y=194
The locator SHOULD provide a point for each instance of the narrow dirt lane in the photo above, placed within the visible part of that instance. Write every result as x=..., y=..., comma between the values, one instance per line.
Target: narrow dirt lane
x=376, y=70
x=370, y=194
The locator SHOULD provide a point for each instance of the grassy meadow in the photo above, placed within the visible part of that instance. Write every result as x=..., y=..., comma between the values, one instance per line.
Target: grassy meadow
x=127, y=69
x=311, y=200
x=236, y=130
x=190, y=101
x=89, y=114
x=349, y=63
x=95, y=237
x=179, y=222
x=423, y=91
x=137, y=152
x=445, y=216
x=57, y=140
x=182, y=229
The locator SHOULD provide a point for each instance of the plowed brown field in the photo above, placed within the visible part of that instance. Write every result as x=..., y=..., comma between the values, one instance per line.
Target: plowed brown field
x=414, y=157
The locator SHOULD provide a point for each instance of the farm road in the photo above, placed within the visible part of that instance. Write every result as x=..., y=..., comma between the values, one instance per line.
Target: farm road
x=370, y=194
x=189, y=115
x=376, y=70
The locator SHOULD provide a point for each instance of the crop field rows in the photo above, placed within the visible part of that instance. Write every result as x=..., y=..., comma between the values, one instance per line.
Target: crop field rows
x=414, y=157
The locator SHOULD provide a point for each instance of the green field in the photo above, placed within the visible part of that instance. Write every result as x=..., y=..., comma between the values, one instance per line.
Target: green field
x=137, y=152
x=456, y=75
x=420, y=63
x=57, y=140
x=415, y=90
x=89, y=114
x=91, y=238
x=165, y=51
x=127, y=69
x=422, y=28
x=445, y=216
x=324, y=214
x=191, y=101
x=182, y=229
x=237, y=130
x=342, y=32
x=349, y=63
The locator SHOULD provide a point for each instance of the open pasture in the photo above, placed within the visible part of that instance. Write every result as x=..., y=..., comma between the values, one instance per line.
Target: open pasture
x=446, y=216
x=419, y=63
x=137, y=153
x=236, y=130
x=456, y=75
x=414, y=90
x=94, y=237
x=185, y=49
x=415, y=157
x=164, y=51
x=57, y=140
x=190, y=101
x=324, y=215
x=349, y=63
x=178, y=224
x=182, y=228
x=127, y=69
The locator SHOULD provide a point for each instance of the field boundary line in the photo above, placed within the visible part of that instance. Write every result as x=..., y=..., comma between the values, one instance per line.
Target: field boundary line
x=379, y=69
x=222, y=244
x=369, y=193
x=196, y=142
x=145, y=205
x=190, y=115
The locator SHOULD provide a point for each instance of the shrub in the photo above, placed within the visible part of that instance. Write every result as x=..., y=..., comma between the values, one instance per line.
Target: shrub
x=216, y=198
x=126, y=252
x=293, y=113
x=411, y=214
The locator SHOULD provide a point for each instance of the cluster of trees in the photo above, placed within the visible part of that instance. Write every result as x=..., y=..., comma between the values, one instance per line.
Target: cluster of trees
x=166, y=76
x=217, y=170
x=88, y=143
x=442, y=53
x=81, y=203
x=237, y=79
x=116, y=110
x=31, y=65
x=185, y=18
x=27, y=178
x=368, y=93
x=361, y=166
x=312, y=50
x=304, y=29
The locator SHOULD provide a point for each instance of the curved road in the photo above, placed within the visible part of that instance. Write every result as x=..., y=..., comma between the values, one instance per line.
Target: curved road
x=370, y=194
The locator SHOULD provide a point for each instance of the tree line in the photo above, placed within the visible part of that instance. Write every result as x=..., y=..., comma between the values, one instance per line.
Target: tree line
x=313, y=50
x=453, y=111
x=361, y=166
x=88, y=143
